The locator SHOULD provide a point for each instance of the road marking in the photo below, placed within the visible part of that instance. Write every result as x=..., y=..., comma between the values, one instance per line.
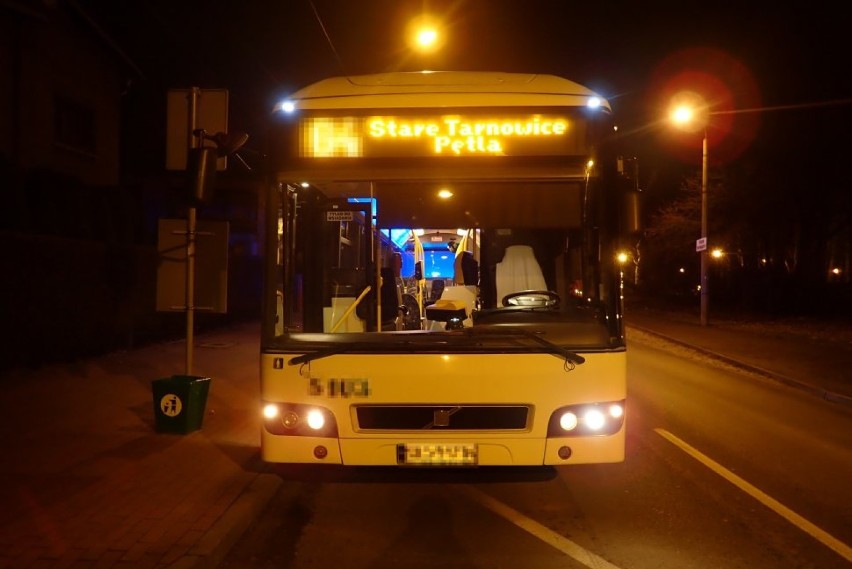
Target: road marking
x=816, y=532
x=534, y=528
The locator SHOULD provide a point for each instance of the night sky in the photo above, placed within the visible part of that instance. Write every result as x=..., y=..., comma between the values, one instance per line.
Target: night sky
x=779, y=76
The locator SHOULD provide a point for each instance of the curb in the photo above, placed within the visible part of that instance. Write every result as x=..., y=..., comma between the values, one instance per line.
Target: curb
x=830, y=396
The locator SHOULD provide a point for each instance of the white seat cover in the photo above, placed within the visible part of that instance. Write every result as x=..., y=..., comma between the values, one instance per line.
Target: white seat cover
x=518, y=271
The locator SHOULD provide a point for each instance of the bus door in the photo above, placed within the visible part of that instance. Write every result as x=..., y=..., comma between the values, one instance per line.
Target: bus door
x=338, y=263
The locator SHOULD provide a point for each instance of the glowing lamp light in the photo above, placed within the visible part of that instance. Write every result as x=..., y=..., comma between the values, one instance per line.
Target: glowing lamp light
x=594, y=419
x=286, y=106
x=622, y=257
x=445, y=194
x=683, y=114
x=616, y=411
x=270, y=411
x=426, y=38
x=593, y=102
x=424, y=34
x=717, y=253
x=316, y=420
x=568, y=421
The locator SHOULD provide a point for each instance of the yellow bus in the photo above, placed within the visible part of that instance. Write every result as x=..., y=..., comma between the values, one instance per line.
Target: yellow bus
x=441, y=287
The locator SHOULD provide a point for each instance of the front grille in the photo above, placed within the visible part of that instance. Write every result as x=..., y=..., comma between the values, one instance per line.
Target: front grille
x=442, y=417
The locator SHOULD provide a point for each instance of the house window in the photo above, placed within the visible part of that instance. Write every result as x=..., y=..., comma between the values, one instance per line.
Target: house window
x=74, y=125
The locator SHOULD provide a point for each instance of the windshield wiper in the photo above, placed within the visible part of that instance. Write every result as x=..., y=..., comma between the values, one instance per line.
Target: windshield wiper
x=324, y=353
x=553, y=348
x=470, y=333
x=342, y=348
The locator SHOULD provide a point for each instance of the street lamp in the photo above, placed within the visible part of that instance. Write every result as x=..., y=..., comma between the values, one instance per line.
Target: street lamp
x=691, y=113
x=424, y=34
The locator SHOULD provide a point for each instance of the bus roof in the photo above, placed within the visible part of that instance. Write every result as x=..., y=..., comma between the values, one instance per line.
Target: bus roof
x=436, y=89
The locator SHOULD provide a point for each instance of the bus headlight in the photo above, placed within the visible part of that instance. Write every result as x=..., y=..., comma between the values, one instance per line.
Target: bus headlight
x=568, y=421
x=299, y=420
x=270, y=411
x=587, y=419
x=315, y=419
x=594, y=419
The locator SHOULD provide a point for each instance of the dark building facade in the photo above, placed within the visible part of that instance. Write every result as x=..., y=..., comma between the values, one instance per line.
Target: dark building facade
x=80, y=256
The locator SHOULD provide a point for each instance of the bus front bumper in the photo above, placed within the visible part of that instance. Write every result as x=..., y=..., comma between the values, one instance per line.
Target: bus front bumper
x=443, y=452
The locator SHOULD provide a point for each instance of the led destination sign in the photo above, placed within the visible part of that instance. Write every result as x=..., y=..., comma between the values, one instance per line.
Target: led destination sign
x=444, y=135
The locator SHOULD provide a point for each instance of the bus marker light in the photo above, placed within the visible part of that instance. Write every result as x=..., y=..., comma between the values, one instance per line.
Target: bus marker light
x=320, y=452
x=568, y=421
x=564, y=453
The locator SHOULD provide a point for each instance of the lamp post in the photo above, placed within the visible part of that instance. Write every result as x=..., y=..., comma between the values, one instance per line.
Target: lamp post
x=705, y=290
x=690, y=110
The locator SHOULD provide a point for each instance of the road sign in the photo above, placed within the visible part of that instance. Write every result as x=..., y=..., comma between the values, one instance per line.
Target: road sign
x=211, y=261
x=701, y=244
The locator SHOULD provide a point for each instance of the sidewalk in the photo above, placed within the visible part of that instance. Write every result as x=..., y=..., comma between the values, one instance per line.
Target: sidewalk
x=87, y=482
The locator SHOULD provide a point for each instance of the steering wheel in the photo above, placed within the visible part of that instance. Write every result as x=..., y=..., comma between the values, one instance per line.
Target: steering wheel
x=532, y=298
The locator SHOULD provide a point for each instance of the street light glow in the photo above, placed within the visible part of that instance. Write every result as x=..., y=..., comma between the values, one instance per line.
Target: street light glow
x=424, y=34
x=426, y=38
x=682, y=114
x=689, y=111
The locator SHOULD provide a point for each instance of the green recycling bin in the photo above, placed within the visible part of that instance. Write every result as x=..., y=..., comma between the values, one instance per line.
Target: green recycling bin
x=179, y=403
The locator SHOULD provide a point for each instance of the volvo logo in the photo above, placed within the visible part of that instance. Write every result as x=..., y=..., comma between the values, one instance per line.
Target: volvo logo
x=441, y=418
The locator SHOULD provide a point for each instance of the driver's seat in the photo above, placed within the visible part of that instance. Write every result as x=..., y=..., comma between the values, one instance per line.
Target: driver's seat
x=518, y=271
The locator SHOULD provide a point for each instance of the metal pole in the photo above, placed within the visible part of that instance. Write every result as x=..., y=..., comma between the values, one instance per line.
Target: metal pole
x=705, y=290
x=190, y=240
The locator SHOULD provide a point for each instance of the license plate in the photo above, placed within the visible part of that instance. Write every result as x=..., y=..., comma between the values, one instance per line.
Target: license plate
x=437, y=454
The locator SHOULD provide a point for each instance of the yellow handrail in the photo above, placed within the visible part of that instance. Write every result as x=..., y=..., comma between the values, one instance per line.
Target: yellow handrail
x=349, y=310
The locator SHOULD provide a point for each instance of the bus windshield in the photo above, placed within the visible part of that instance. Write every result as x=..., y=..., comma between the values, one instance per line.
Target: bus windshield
x=484, y=254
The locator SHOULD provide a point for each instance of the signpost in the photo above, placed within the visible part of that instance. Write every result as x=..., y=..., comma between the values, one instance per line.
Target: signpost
x=190, y=110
